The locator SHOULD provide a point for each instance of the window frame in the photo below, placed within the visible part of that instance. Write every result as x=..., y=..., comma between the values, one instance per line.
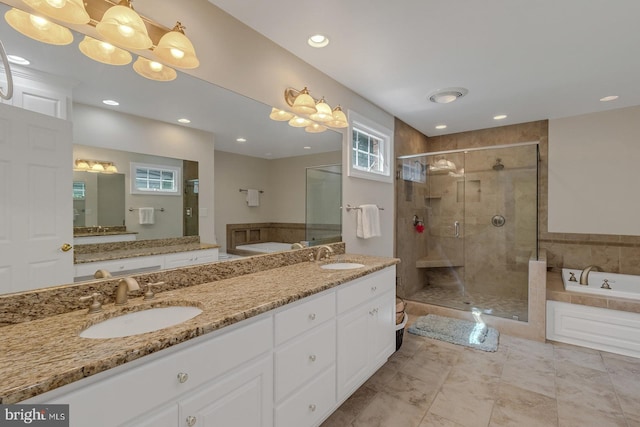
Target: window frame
x=375, y=130
x=177, y=179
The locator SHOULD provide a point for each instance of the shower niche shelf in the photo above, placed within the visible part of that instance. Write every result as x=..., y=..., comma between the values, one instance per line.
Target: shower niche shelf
x=432, y=261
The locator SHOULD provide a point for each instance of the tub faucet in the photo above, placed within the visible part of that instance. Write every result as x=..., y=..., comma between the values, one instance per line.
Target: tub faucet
x=322, y=249
x=297, y=246
x=124, y=286
x=584, y=276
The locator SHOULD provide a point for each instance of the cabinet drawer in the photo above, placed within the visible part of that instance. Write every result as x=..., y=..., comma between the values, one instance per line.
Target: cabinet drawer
x=308, y=406
x=120, y=266
x=182, y=259
x=304, y=358
x=371, y=286
x=304, y=316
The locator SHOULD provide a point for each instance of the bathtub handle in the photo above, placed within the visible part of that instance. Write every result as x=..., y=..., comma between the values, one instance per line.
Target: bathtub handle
x=456, y=228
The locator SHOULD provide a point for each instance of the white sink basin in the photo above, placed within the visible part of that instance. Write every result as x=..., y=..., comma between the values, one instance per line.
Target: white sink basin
x=341, y=266
x=140, y=322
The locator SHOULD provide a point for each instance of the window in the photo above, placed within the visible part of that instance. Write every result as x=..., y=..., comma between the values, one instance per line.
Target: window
x=369, y=150
x=78, y=190
x=155, y=179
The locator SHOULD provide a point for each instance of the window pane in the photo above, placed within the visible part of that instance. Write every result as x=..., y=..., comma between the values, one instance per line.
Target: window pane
x=167, y=175
x=154, y=174
x=167, y=185
x=141, y=183
x=155, y=185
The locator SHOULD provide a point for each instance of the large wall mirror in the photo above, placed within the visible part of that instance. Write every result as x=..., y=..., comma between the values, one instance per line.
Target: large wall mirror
x=231, y=137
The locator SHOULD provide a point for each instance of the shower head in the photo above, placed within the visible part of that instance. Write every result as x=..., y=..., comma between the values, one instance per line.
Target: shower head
x=498, y=166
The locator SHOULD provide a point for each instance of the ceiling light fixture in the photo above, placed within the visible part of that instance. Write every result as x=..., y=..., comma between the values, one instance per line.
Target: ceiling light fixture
x=609, y=98
x=153, y=70
x=241, y=140
x=18, y=60
x=184, y=120
x=38, y=28
x=111, y=102
x=318, y=41
x=500, y=117
x=448, y=95
x=104, y=52
x=121, y=25
x=70, y=11
x=176, y=49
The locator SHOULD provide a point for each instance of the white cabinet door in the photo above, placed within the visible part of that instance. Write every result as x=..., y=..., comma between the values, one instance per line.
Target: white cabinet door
x=382, y=336
x=242, y=398
x=163, y=417
x=353, y=350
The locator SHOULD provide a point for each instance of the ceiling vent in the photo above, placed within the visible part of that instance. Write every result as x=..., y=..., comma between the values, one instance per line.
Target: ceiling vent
x=445, y=96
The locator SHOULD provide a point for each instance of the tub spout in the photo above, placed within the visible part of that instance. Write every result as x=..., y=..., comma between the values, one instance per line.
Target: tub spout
x=584, y=276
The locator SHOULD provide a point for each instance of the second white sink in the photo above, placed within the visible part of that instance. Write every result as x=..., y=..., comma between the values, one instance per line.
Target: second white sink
x=140, y=322
x=341, y=266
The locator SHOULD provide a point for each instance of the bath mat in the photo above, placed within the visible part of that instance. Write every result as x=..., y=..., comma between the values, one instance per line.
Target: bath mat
x=456, y=331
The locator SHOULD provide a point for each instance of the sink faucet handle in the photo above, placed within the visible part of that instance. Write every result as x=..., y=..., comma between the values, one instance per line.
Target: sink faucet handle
x=150, y=294
x=96, y=306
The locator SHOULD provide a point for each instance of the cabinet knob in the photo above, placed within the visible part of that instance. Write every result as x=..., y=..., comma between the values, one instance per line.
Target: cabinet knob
x=312, y=357
x=312, y=407
x=312, y=316
x=183, y=377
x=191, y=420
x=66, y=247
x=374, y=288
x=374, y=311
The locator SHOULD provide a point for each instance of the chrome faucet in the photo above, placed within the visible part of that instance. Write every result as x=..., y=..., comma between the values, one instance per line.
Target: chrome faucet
x=125, y=285
x=321, y=249
x=584, y=276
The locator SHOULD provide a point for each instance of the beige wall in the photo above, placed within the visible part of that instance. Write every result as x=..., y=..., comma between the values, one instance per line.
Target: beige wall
x=283, y=183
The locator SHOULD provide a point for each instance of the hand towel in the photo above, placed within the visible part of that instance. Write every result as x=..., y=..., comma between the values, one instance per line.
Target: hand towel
x=368, y=222
x=253, y=197
x=146, y=215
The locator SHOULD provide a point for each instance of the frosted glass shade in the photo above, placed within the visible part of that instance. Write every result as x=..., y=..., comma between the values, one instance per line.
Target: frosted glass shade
x=38, y=28
x=121, y=25
x=71, y=11
x=315, y=128
x=154, y=70
x=104, y=52
x=304, y=103
x=339, y=119
x=299, y=122
x=323, y=113
x=175, y=49
x=280, y=115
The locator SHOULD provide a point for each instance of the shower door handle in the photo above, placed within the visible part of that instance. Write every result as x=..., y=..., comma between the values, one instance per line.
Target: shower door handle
x=456, y=229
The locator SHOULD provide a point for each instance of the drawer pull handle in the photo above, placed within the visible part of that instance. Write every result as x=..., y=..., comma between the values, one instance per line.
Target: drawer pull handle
x=191, y=420
x=312, y=407
x=312, y=357
x=182, y=377
x=312, y=316
x=374, y=311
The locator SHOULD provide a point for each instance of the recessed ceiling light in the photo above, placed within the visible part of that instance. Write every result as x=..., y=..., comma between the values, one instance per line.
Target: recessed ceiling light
x=441, y=127
x=450, y=94
x=609, y=98
x=307, y=148
x=241, y=140
x=19, y=60
x=185, y=121
x=110, y=102
x=318, y=40
x=500, y=117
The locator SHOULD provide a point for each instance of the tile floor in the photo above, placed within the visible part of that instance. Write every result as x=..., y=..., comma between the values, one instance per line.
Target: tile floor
x=430, y=383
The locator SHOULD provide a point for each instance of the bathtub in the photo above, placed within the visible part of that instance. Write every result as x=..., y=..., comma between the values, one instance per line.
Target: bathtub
x=622, y=285
x=266, y=247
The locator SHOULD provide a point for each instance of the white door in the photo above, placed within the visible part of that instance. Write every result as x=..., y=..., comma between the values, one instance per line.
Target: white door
x=36, y=207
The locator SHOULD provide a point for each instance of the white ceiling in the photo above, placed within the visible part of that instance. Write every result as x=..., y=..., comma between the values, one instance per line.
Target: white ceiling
x=529, y=59
x=211, y=108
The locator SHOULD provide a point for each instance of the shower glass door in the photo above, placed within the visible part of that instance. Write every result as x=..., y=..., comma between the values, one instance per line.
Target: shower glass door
x=323, y=201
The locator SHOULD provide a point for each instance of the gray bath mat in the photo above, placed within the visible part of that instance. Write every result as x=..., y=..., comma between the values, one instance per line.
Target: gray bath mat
x=456, y=331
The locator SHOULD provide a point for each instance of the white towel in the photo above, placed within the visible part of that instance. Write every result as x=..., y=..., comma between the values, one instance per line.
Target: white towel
x=253, y=197
x=146, y=215
x=368, y=222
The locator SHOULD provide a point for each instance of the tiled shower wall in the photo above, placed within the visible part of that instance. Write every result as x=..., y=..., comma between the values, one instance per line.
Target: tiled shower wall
x=611, y=252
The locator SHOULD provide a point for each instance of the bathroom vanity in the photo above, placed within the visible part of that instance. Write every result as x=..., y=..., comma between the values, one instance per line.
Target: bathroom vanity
x=280, y=347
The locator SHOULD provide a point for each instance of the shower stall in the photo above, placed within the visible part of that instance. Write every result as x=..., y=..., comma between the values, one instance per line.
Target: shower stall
x=323, y=218
x=473, y=215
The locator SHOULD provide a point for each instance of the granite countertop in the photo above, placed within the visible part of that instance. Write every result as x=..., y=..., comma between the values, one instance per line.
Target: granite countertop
x=556, y=292
x=41, y=355
x=80, y=258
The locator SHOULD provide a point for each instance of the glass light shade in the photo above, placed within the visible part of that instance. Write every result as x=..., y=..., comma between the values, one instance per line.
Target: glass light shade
x=96, y=167
x=315, y=128
x=121, y=25
x=323, y=114
x=71, y=11
x=299, y=122
x=304, y=103
x=82, y=165
x=154, y=70
x=38, y=28
x=111, y=168
x=339, y=119
x=175, y=49
x=104, y=52
x=280, y=115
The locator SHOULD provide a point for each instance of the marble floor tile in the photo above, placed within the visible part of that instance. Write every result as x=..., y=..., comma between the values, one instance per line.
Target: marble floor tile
x=572, y=414
x=580, y=356
x=627, y=389
x=412, y=390
x=519, y=407
x=433, y=420
x=533, y=374
x=462, y=408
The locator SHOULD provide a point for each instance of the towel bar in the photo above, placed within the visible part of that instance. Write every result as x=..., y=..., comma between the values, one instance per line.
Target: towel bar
x=350, y=208
x=155, y=209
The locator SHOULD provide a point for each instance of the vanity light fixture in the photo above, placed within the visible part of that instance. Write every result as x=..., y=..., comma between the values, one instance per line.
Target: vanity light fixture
x=280, y=115
x=121, y=25
x=153, y=70
x=38, y=28
x=318, y=41
x=18, y=60
x=300, y=101
x=323, y=112
x=176, y=49
x=315, y=128
x=104, y=52
x=299, y=122
x=339, y=119
x=95, y=166
x=70, y=11
x=448, y=95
